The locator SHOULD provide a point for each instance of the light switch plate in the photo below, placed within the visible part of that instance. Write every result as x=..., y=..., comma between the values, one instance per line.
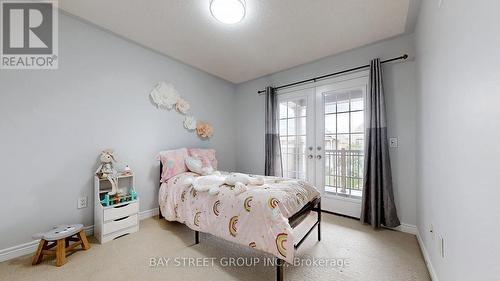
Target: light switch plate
x=393, y=142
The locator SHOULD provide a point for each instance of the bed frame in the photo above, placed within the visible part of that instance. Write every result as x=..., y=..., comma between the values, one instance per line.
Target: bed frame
x=294, y=221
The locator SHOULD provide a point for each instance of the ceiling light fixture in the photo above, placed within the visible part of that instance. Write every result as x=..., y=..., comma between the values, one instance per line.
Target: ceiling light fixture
x=228, y=11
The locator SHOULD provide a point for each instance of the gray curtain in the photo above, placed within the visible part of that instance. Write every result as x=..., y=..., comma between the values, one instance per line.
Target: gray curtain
x=378, y=206
x=273, y=152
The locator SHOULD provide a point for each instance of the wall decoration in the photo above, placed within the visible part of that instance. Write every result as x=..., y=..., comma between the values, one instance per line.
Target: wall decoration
x=182, y=106
x=204, y=129
x=165, y=96
x=190, y=122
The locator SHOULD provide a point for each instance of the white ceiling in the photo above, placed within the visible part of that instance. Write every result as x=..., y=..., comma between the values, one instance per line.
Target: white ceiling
x=275, y=34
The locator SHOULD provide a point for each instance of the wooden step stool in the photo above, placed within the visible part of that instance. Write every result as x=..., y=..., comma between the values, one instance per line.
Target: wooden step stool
x=60, y=237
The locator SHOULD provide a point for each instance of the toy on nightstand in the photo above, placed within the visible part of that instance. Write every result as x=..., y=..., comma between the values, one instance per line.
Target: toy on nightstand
x=106, y=170
x=131, y=195
x=127, y=171
x=106, y=202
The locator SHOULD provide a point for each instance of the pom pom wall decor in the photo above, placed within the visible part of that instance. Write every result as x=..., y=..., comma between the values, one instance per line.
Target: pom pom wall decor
x=190, y=123
x=165, y=96
x=204, y=129
x=182, y=106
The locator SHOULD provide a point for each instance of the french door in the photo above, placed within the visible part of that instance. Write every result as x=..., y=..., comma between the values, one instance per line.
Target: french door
x=322, y=139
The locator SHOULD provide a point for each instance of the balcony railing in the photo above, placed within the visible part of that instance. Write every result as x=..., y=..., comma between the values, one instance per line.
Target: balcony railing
x=344, y=172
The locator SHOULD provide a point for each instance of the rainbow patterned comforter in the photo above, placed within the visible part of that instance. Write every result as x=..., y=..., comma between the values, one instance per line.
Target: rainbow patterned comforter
x=257, y=218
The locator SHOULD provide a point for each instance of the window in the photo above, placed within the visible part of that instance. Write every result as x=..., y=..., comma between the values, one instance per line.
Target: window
x=344, y=142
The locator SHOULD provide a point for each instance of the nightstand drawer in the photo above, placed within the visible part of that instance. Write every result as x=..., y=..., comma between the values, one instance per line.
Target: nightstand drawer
x=121, y=211
x=119, y=224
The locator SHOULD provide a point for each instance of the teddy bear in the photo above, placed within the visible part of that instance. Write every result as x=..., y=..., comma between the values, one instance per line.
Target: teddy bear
x=107, y=171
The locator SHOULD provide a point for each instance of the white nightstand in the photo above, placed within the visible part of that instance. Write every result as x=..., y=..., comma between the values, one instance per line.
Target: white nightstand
x=111, y=222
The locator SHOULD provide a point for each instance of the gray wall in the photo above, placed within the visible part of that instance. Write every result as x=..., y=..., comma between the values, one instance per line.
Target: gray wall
x=458, y=70
x=53, y=125
x=401, y=100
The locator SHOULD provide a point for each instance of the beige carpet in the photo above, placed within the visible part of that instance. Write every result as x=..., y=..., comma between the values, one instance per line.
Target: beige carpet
x=368, y=255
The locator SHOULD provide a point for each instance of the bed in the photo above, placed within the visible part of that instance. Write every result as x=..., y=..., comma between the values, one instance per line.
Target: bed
x=263, y=217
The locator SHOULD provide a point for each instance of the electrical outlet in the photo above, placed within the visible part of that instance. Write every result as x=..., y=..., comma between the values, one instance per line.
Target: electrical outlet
x=393, y=142
x=82, y=202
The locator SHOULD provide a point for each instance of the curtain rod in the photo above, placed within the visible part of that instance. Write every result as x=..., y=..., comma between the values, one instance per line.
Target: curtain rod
x=312, y=80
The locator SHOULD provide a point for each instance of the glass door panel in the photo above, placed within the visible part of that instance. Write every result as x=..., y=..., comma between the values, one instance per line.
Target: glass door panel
x=322, y=139
x=296, y=129
x=343, y=140
x=340, y=130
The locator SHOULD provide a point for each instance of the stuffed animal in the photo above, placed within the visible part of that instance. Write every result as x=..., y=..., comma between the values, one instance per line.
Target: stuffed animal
x=240, y=182
x=107, y=171
x=196, y=165
x=212, y=183
x=245, y=179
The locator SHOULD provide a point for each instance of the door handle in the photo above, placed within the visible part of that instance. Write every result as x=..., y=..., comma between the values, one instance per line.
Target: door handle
x=318, y=157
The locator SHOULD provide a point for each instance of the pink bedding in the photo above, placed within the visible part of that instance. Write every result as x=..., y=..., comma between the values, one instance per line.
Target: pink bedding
x=257, y=218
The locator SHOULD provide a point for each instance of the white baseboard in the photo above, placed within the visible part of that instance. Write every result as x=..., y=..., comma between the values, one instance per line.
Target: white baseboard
x=30, y=247
x=148, y=213
x=407, y=228
x=427, y=259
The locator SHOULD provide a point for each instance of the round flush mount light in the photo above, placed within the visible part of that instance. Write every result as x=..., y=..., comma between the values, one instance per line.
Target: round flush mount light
x=228, y=11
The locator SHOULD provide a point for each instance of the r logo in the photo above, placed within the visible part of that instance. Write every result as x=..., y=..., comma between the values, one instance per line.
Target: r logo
x=27, y=28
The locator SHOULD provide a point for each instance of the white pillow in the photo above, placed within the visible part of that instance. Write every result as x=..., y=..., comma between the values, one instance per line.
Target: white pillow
x=195, y=165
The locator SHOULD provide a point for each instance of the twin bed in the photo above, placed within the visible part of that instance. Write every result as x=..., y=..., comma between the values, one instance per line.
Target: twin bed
x=263, y=217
